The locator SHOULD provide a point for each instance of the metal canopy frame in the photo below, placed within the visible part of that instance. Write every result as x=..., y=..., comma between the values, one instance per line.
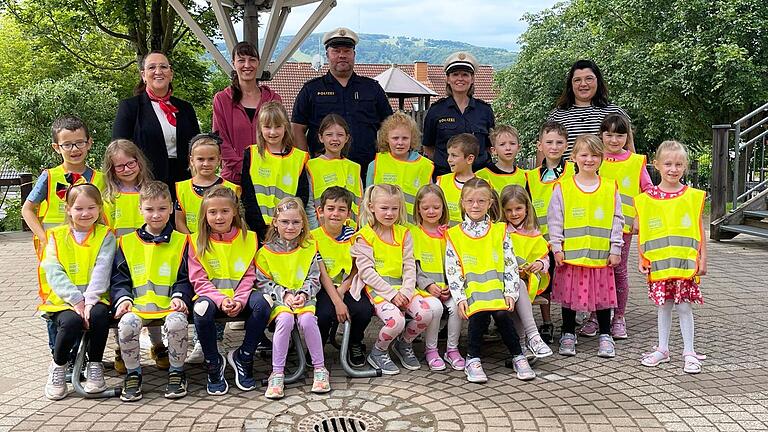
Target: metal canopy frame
x=279, y=11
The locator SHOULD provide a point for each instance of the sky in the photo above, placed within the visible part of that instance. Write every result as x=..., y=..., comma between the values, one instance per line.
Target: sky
x=487, y=23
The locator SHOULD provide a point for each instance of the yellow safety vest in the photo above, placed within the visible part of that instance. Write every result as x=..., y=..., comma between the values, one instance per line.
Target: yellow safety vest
x=336, y=254
x=77, y=260
x=190, y=202
x=429, y=251
x=528, y=249
x=153, y=268
x=587, y=223
x=452, y=197
x=541, y=193
x=670, y=233
x=324, y=173
x=289, y=270
x=225, y=262
x=123, y=215
x=52, y=211
x=388, y=257
x=499, y=181
x=409, y=175
x=627, y=176
x=482, y=265
x=275, y=177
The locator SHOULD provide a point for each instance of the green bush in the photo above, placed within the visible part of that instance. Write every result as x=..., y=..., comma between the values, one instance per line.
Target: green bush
x=12, y=219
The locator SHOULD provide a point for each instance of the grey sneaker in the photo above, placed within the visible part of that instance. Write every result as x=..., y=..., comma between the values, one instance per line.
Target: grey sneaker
x=404, y=351
x=56, y=387
x=523, y=368
x=568, y=344
x=380, y=360
x=539, y=348
x=606, y=347
x=474, y=371
x=94, y=378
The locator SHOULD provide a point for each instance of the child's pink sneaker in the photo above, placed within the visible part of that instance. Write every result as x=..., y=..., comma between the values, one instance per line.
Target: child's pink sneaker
x=434, y=361
x=454, y=358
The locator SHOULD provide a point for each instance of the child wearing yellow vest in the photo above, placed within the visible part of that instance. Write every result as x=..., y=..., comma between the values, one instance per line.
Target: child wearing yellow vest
x=673, y=251
x=332, y=168
x=482, y=275
x=334, y=301
x=431, y=216
x=74, y=278
x=273, y=169
x=532, y=253
x=629, y=172
x=397, y=161
x=383, y=253
x=287, y=270
x=150, y=282
x=462, y=152
x=585, y=233
x=204, y=163
x=552, y=142
x=222, y=272
x=505, y=141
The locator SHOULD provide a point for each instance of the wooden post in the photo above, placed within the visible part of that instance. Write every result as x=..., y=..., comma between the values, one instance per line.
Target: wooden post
x=718, y=182
x=25, y=181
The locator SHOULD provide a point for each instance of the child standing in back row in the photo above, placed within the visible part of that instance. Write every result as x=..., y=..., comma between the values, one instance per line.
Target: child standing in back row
x=462, y=152
x=505, y=142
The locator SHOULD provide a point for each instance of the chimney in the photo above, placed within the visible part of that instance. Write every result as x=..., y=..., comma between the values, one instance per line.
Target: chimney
x=420, y=71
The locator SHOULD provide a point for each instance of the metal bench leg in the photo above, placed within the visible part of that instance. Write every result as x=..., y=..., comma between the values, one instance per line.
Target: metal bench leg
x=298, y=374
x=348, y=369
x=77, y=368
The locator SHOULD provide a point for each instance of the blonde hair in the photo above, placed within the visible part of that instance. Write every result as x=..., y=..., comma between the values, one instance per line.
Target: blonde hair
x=476, y=183
x=90, y=191
x=285, y=204
x=518, y=194
x=398, y=120
x=503, y=129
x=590, y=143
x=204, y=230
x=425, y=190
x=153, y=190
x=372, y=192
x=201, y=140
x=672, y=146
x=274, y=114
x=112, y=187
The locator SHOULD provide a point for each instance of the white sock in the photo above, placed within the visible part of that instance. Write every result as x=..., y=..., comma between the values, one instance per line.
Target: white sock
x=685, y=314
x=664, y=324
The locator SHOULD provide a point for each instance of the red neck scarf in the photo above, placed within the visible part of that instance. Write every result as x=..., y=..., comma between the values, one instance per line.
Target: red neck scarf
x=165, y=105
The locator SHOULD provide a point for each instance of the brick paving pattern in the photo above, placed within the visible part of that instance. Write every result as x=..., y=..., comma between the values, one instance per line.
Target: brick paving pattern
x=585, y=393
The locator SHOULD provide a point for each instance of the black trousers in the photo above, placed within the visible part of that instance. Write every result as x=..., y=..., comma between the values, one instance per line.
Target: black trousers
x=360, y=313
x=603, y=321
x=69, y=328
x=478, y=323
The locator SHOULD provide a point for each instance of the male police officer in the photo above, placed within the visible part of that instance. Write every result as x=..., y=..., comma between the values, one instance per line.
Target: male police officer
x=360, y=100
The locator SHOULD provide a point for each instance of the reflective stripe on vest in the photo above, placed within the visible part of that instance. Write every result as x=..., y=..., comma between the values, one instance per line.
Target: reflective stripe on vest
x=541, y=193
x=587, y=223
x=626, y=173
x=482, y=266
x=452, y=197
x=429, y=252
x=324, y=173
x=387, y=257
x=77, y=261
x=225, y=262
x=670, y=233
x=336, y=255
x=153, y=268
x=275, y=177
x=52, y=210
x=190, y=202
x=528, y=249
x=499, y=181
x=409, y=175
x=123, y=215
x=289, y=270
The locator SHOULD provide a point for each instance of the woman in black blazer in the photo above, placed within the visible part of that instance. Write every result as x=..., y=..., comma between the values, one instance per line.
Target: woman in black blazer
x=158, y=123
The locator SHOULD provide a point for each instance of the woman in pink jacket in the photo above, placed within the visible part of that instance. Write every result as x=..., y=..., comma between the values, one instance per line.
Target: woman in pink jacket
x=236, y=110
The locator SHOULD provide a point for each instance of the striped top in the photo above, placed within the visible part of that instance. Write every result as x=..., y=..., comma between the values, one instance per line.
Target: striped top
x=582, y=120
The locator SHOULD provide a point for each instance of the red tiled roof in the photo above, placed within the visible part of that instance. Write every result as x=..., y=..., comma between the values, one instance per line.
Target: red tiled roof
x=292, y=76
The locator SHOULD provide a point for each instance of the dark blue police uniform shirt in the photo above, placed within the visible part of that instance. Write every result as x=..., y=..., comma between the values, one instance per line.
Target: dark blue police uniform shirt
x=362, y=103
x=444, y=120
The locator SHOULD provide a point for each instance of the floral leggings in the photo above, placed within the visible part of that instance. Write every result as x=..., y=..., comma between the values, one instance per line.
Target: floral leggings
x=394, y=321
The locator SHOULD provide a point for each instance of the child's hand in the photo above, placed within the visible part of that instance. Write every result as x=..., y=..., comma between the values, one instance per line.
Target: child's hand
x=178, y=305
x=434, y=290
x=288, y=299
x=535, y=267
x=226, y=305
x=400, y=301
x=510, y=303
x=80, y=310
x=236, y=308
x=342, y=312
x=445, y=294
x=643, y=268
x=614, y=260
x=559, y=256
x=124, y=308
x=463, y=309
x=87, y=315
x=299, y=300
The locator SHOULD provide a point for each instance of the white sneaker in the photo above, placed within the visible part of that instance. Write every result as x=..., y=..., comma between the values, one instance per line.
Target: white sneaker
x=56, y=387
x=94, y=378
x=196, y=356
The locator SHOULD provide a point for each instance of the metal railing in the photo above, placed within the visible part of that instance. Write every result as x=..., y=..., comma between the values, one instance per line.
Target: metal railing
x=749, y=159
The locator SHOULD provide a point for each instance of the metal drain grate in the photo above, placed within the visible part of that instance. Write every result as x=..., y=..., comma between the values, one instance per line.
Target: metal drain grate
x=340, y=424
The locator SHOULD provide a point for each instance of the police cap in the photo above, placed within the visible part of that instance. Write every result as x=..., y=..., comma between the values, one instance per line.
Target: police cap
x=340, y=37
x=460, y=60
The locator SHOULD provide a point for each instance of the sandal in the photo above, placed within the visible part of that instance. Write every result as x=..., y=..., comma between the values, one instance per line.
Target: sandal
x=434, y=361
x=692, y=362
x=655, y=358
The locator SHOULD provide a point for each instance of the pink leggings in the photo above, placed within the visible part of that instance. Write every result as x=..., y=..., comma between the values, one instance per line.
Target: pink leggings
x=394, y=321
x=621, y=277
x=284, y=322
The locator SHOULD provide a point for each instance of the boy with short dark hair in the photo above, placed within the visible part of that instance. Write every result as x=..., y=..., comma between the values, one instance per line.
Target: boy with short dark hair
x=463, y=149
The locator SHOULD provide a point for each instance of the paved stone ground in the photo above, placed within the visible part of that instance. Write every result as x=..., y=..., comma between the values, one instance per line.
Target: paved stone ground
x=571, y=394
